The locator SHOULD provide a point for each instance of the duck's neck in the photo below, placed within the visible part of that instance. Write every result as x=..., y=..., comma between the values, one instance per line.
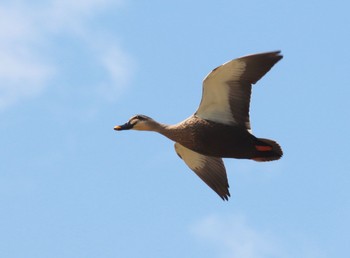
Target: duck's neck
x=163, y=129
x=169, y=131
x=160, y=128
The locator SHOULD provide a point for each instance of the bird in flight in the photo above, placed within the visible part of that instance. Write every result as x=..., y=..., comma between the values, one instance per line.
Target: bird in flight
x=220, y=128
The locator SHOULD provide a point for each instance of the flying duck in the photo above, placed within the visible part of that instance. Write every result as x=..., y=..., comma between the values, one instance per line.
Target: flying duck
x=220, y=128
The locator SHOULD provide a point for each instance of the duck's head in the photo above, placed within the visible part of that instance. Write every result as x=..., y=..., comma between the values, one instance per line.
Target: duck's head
x=138, y=122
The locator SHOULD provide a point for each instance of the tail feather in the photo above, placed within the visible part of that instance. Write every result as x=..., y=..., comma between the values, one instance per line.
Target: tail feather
x=267, y=150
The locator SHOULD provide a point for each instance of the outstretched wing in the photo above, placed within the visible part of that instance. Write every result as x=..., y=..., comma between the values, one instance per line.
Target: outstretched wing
x=210, y=169
x=227, y=89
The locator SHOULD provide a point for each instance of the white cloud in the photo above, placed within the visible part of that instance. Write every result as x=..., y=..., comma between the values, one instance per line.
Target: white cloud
x=233, y=237
x=27, y=28
x=21, y=74
x=119, y=66
x=71, y=15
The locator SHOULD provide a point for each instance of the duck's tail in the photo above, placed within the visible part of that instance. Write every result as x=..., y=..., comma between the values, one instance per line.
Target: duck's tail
x=267, y=150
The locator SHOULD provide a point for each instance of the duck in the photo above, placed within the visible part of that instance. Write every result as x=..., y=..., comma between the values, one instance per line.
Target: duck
x=220, y=128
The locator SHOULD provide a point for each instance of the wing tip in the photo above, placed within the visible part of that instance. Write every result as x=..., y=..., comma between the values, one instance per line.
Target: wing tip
x=225, y=197
x=224, y=193
x=277, y=54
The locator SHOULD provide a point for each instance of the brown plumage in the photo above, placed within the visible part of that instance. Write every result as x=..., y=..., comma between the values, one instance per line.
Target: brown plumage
x=220, y=128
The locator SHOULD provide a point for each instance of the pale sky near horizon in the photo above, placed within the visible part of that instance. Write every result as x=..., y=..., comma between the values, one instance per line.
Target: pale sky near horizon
x=70, y=186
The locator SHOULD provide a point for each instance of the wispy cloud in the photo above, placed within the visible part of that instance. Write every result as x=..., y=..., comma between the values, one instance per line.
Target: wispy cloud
x=21, y=72
x=26, y=28
x=233, y=237
x=119, y=66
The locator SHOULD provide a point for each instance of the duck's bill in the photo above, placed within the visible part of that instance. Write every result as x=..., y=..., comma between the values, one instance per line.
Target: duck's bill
x=125, y=126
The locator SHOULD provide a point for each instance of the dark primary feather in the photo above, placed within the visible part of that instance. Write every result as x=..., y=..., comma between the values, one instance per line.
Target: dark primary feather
x=258, y=65
x=240, y=90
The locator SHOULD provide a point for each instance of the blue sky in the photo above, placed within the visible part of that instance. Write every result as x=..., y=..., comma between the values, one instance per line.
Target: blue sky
x=70, y=186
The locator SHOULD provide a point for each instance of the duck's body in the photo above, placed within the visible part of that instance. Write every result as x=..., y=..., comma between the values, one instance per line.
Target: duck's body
x=220, y=128
x=216, y=140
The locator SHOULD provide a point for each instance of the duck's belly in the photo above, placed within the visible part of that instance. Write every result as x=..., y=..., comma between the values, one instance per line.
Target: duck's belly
x=222, y=141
